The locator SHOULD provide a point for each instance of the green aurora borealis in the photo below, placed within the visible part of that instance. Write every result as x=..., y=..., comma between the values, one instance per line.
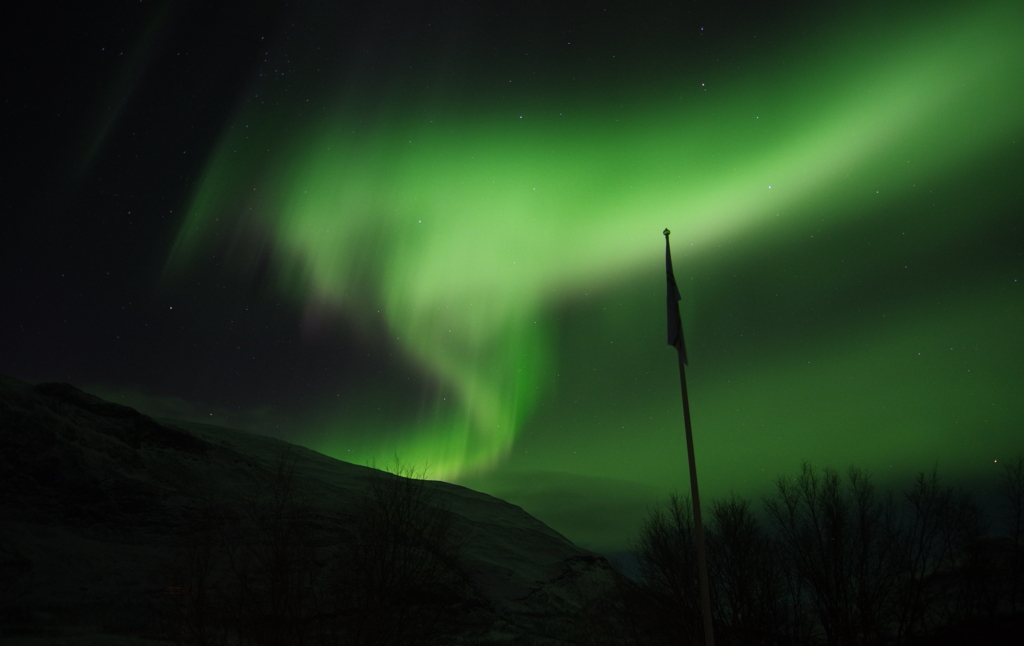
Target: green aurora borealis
x=843, y=222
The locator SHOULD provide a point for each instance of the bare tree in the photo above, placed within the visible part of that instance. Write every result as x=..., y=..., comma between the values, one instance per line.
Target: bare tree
x=921, y=552
x=970, y=583
x=201, y=579
x=1013, y=496
x=273, y=560
x=944, y=573
x=667, y=605
x=266, y=575
x=872, y=557
x=846, y=565
x=15, y=590
x=836, y=540
x=399, y=579
x=747, y=585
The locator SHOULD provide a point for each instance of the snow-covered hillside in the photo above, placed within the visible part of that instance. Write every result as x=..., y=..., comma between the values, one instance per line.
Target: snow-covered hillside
x=99, y=503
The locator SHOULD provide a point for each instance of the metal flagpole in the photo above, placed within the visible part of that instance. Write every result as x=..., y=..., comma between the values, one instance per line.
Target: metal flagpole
x=675, y=339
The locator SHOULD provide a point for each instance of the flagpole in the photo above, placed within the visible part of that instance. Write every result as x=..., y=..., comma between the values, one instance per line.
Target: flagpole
x=702, y=563
x=676, y=331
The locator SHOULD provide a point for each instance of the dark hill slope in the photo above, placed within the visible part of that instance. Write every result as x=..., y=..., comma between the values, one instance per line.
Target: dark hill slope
x=101, y=506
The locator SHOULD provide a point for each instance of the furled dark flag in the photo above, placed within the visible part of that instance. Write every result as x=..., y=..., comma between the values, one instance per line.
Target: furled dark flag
x=675, y=324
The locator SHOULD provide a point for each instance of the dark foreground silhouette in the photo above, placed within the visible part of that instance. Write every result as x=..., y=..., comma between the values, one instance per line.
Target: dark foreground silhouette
x=830, y=561
x=117, y=528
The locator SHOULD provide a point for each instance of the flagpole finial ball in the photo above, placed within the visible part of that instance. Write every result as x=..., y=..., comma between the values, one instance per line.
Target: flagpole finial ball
x=666, y=232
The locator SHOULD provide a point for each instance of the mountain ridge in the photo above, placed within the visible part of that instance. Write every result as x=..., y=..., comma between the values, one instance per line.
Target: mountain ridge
x=99, y=500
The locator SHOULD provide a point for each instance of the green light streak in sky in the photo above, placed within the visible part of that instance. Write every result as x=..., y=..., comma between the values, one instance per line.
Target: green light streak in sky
x=467, y=235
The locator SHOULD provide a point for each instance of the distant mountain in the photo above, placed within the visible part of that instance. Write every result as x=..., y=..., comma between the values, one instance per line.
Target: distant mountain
x=116, y=524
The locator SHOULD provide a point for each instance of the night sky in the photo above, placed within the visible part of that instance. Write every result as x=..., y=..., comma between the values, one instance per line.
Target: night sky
x=434, y=232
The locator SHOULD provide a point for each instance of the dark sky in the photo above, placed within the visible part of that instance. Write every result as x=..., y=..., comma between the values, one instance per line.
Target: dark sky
x=435, y=231
x=112, y=110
